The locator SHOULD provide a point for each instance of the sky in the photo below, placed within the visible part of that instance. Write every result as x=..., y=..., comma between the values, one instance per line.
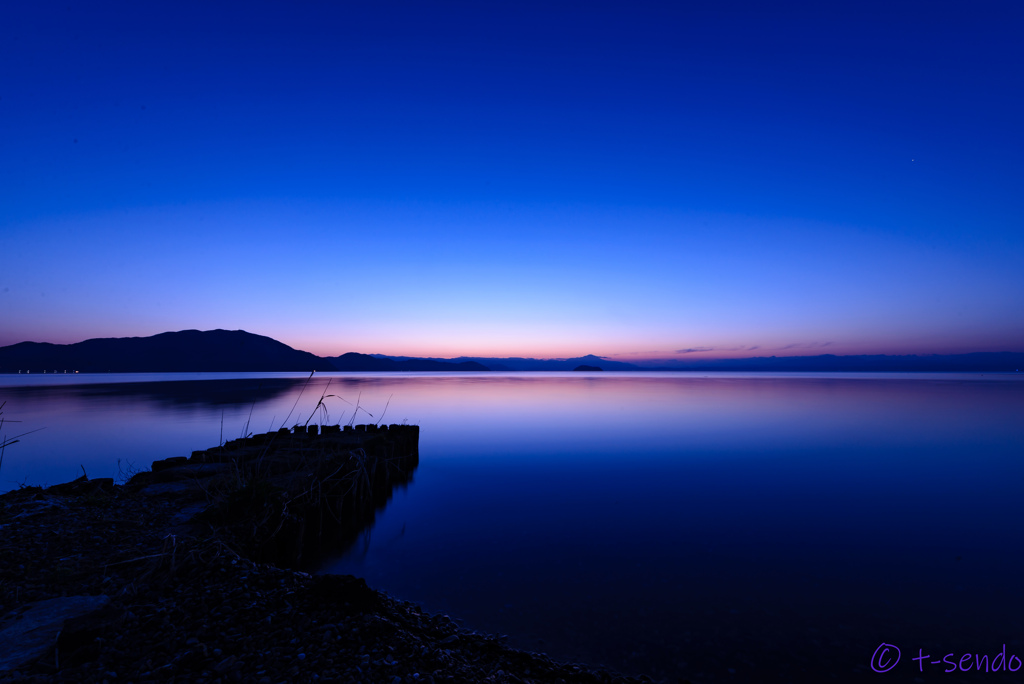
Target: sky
x=631, y=180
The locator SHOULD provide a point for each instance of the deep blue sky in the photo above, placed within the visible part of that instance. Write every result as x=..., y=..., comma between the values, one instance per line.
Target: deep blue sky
x=512, y=179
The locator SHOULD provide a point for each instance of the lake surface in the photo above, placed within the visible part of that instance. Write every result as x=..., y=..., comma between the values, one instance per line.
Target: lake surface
x=721, y=528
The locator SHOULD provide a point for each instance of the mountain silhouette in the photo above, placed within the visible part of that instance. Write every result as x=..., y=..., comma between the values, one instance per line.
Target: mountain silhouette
x=238, y=350
x=183, y=351
x=197, y=351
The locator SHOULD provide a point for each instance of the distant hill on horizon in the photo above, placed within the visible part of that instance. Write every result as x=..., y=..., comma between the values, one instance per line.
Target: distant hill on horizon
x=368, y=362
x=196, y=351
x=238, y=351
x=169, y=352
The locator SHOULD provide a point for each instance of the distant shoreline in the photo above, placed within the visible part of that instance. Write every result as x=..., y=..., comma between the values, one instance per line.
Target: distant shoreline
x=231, y=351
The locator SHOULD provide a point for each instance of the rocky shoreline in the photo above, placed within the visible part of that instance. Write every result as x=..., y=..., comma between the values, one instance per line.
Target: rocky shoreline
x=123, y=583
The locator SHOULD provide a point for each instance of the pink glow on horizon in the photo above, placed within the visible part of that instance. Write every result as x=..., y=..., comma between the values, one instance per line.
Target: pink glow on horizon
x=694, y=352
x=492, y=342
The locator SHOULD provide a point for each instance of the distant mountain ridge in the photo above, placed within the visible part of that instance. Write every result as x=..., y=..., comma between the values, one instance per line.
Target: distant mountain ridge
x=238, y=350
x=977, y=362
x=516, y=363
x=196, y=351
x=367, y=362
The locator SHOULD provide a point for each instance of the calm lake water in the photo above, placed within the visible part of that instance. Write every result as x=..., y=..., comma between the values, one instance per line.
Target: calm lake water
x=721, y=528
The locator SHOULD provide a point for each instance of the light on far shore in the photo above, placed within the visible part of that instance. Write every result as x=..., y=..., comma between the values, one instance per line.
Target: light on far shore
x=44, y=372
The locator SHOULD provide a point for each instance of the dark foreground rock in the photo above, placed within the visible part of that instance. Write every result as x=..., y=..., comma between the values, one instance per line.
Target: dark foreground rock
x=172, y=603
x=31, y=630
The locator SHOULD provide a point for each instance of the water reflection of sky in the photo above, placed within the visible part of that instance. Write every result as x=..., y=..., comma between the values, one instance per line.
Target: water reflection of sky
x=678, y=524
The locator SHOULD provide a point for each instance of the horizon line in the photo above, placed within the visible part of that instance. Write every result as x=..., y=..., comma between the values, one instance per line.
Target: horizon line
x=681, y=356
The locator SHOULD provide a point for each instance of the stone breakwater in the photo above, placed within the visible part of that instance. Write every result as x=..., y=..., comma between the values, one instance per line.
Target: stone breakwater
x=284, y=496
x=186, y=573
